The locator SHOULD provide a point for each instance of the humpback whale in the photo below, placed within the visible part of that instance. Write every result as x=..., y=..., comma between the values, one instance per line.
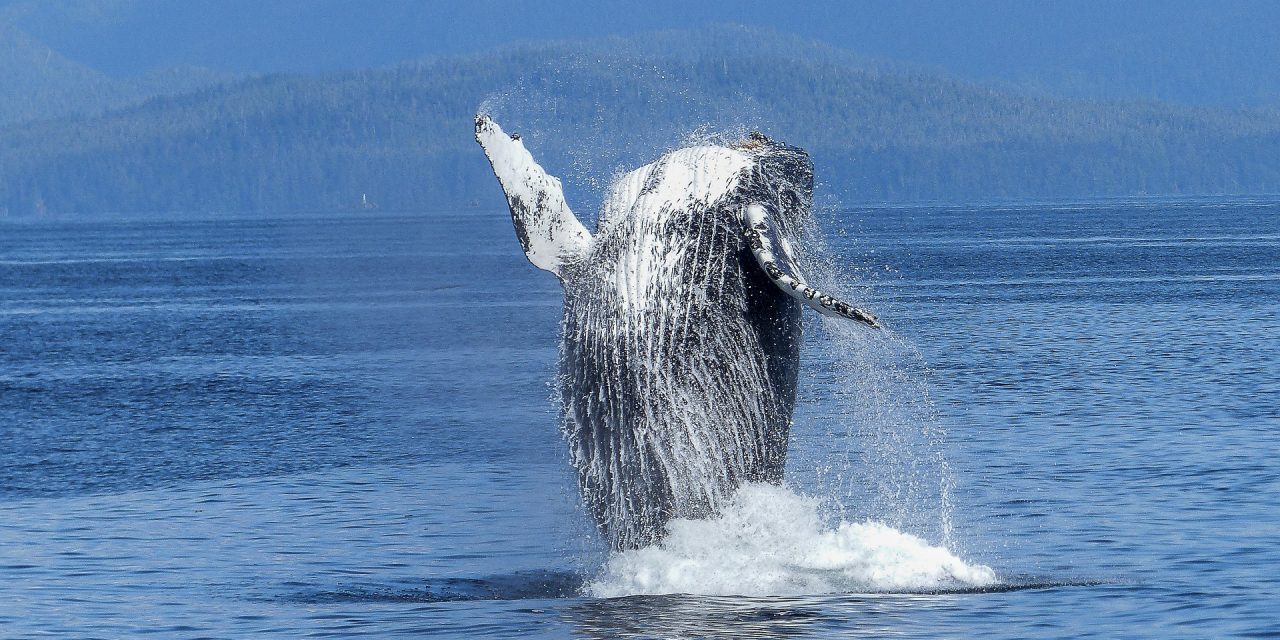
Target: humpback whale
x=681, y=332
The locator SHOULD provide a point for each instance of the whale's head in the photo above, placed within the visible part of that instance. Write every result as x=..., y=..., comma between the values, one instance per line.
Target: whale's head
x=780, y=176
x=774, y=200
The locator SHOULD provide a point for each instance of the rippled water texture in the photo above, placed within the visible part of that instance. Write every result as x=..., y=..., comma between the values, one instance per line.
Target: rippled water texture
x=345, y=427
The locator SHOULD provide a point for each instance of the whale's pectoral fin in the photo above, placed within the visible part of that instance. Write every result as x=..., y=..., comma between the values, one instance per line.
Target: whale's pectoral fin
x=775, y=257
x=550, y=234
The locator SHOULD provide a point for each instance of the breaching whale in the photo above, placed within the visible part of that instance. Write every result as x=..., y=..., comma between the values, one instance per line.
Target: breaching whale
x=682, y=320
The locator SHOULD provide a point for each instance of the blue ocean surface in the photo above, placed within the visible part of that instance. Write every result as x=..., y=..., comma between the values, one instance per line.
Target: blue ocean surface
x=345, y=427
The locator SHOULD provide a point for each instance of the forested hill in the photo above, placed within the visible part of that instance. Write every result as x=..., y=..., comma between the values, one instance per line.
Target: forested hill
x=586, y=109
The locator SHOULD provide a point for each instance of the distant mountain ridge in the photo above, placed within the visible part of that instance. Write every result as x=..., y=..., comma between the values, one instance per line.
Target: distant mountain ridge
x=878, y=132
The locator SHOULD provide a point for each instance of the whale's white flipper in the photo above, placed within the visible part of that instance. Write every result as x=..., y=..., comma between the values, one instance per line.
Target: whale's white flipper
x=762, y=237
x=550, y=234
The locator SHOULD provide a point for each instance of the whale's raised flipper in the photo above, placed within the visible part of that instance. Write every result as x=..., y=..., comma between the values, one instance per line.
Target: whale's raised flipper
x=550, y=234
x=780, y=265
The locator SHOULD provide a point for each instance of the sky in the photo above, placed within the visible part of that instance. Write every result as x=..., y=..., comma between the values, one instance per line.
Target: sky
x=1227, y=50
x=246, y=35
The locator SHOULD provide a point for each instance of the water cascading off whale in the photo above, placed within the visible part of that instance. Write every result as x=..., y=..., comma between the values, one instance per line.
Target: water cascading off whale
x=682, y=320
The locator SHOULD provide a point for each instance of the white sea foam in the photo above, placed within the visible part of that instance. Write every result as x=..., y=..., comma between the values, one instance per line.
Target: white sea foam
x=771, y=541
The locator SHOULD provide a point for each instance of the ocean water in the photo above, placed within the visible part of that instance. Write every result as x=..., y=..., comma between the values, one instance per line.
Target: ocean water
x=344, y=427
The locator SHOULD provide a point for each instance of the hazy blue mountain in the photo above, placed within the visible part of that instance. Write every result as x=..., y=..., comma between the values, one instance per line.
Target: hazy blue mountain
x=403, y=135
x=1190, y=51
x=41, y=83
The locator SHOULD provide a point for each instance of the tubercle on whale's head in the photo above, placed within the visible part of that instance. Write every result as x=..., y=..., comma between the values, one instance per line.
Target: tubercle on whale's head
x=754, y=140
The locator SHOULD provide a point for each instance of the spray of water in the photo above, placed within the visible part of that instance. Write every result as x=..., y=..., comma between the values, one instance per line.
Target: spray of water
x=871, y=401
x=870, y=447
x=868, y=440
x=772, y=541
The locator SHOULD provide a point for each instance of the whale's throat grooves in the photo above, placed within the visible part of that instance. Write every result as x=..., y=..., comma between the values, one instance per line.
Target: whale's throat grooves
x=677, y=357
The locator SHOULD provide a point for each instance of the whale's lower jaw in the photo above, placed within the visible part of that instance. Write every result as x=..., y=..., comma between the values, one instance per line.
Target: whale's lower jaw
x=668, y=421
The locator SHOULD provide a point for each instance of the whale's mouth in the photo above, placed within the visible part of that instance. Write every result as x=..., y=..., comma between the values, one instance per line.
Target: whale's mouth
x=775, y=257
